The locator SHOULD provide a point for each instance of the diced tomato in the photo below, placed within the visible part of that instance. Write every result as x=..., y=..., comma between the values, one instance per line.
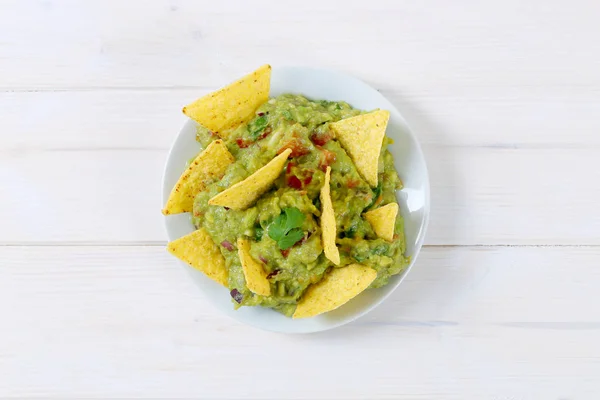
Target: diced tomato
x=266, y=133
x=320, y=138
x=352, y=183
x=328, y=158
x=298, y=149
x=242, y=144
x=289, y=167
x=308, y=180
x=294, y=182
x=304, y=239
x=285, y=253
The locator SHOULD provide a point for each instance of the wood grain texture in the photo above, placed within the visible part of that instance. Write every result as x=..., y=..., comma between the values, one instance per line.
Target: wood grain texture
x=480, y=196
x=410, y=44
x=505, y=98
x=467, y=323
x=501, y=117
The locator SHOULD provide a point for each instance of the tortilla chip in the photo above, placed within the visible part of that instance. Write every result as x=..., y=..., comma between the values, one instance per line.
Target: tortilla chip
x=256, y=277
x=362, y=137
x=235, y=104
x=198, y=250
x=244, y=193
x=383, y=220
x=209, y=165
x=328, y=228
x=336, y=288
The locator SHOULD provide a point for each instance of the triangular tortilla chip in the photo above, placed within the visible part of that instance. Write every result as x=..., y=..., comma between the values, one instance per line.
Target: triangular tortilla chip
x=337, y=288
x=383, y=220
x=209, y=165
x=362, y=137
x=328, y=227
x=256, y=277
x=244, y=193
x=198, y=250
x=235, y=104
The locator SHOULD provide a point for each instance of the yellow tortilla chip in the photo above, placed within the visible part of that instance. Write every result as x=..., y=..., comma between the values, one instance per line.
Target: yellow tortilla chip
x=383, y=220
x=208, y=165
x=233, y=105
x=328, y=228
x=256, y=277
x=198, y=250
x=337, y=288
x=244, y=193
x=362, y=137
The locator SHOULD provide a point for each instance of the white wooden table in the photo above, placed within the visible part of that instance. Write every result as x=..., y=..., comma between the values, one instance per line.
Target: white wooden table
x=504, y=301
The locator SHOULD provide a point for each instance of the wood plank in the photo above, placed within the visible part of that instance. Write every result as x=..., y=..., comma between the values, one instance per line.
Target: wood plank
x=467, y=322
x=480, y=196
x=70, y=44
x=538, y=118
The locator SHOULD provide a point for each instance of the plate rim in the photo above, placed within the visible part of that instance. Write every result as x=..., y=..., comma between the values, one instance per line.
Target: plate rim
x=421, y=234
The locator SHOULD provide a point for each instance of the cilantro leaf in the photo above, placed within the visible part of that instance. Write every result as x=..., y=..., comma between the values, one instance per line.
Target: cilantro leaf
x=290, y=239
x=380, y=250
x=360, y=257
x=258, y=233
x=351, y=231
x=277, y=229
x=257, y=126
x=285, y=229
x=295, y=218
x=376, y=193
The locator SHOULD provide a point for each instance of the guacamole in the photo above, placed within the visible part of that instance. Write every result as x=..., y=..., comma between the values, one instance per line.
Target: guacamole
x=301, y=125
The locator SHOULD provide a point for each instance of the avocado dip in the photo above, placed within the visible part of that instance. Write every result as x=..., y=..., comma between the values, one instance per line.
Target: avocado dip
x=294, y=122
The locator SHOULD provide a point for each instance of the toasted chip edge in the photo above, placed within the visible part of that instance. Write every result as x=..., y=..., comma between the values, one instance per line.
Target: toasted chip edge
x=261, y=77
x=215, y=269
x=368, y=170
x=216, y=148
x=315, y=301
x=228, y=198
x=328, y=224
x=254, y=273
x=383, y=220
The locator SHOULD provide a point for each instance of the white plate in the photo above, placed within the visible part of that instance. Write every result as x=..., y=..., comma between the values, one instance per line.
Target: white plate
x=413, y=198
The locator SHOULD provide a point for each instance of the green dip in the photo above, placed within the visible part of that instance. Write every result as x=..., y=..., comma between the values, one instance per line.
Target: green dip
x=293, y=121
